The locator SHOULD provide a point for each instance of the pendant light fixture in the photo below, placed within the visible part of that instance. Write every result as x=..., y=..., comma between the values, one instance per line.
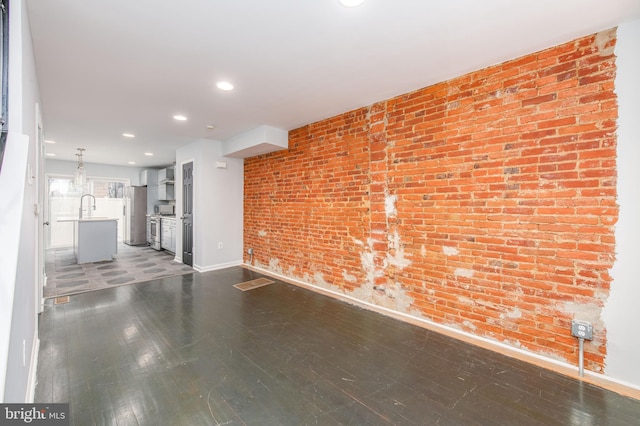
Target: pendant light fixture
x=81, y=174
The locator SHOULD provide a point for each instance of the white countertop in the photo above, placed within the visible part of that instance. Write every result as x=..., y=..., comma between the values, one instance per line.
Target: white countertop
x=86, y=219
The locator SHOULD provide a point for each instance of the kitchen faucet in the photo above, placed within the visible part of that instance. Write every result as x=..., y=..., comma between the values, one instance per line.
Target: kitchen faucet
x=82, y=198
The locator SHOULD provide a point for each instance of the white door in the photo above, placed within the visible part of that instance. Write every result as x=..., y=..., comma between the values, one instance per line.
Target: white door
x=41, y=222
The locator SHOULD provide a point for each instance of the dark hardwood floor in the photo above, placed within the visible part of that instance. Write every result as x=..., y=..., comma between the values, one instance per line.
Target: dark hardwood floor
x=194, y=350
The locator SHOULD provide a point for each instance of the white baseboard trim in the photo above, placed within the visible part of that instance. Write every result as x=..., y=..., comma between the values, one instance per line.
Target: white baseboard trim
x=218, y=266
x=561, y=367
x=33, y=371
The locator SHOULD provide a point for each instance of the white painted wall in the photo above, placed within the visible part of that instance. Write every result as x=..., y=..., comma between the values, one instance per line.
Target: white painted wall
x=13, y=184
x=218, y=205
x=18, y=301
x=621, y=313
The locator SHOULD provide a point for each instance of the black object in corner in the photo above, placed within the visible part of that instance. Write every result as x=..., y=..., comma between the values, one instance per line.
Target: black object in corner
x=4, y=75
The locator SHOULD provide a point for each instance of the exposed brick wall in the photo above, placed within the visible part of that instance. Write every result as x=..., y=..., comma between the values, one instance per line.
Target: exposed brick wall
x=486, y=202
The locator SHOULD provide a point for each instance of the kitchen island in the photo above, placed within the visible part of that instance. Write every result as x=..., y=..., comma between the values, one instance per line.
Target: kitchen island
x=95, y=239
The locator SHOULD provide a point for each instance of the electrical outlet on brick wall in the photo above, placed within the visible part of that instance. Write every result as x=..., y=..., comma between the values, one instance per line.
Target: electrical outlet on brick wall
x=581, y=329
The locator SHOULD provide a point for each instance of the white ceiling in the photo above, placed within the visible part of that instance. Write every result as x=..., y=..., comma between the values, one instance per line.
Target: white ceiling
x=105, y=68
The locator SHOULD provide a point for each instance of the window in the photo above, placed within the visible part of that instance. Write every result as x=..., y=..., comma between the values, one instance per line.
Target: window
x=64, y=202
x=106, y=189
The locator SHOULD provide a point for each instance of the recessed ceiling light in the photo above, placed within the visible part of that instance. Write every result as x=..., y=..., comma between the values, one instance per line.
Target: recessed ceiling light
x=50, y=154
x=351, y=3
x=179, y=117
x=224, y=85
x=132, y=162
x=148, y=154
x=128, y=135
x=49, y=141
x=211, y=127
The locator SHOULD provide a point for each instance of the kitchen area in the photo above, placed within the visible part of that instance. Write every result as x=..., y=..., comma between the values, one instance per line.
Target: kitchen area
x=142, y=208
x=111, y=231
x=161, y=215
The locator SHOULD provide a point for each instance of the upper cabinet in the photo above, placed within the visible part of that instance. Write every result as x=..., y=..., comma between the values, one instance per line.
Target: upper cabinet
x=148, y=177
x=144, y=178
x=166, y=175
x=166, y=190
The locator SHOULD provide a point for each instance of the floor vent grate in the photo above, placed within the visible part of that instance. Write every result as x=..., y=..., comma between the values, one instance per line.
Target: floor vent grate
x=250, y=285
x=61, y=300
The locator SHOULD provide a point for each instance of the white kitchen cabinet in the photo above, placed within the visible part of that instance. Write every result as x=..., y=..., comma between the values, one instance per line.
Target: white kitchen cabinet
x=165, y=175
x=166, y=192
x=144, y=178
x=95, y=239
x=168, y=234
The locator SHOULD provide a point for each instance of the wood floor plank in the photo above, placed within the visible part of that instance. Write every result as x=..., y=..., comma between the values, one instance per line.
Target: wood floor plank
x=193, y=350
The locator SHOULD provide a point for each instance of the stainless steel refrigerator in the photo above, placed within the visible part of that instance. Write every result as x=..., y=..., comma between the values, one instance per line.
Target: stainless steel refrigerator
x=135, y=215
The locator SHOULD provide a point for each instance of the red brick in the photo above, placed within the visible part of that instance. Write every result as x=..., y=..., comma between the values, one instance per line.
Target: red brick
x=539, y=99
x=598, y=97
x=506, y=174
x=560, y=122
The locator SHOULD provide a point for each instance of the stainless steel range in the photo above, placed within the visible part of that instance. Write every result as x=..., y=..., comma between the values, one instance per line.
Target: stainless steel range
x=155, y=232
